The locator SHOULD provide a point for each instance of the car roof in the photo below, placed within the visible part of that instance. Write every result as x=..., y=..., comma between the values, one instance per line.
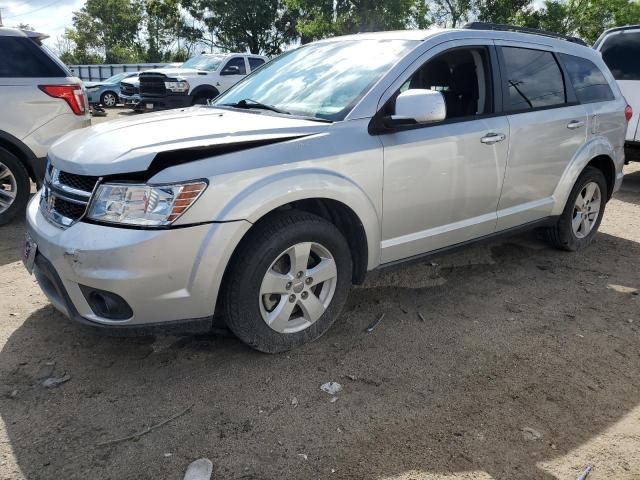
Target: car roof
x=467, y=33
x=15, y=32
x=614, y=30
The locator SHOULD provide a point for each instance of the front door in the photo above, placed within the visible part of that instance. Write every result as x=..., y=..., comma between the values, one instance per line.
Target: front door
x=234, y=70
x=442, y=181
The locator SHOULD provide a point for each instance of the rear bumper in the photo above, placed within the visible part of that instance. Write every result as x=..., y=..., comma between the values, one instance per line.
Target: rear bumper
x=631, y=151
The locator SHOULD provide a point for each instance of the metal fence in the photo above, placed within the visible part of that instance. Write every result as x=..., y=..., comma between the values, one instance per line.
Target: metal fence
x=102, y=72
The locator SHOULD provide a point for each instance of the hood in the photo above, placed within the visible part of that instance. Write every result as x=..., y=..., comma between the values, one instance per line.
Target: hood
x=93, y=84
x=135, y=81
x=177, y=72
x=130, y=145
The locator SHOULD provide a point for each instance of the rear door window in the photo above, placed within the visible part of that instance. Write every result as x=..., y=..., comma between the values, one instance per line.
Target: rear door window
x=21, y=58
x=255, y=63
x=534, y=79
x=621, y=53
x=587, y=79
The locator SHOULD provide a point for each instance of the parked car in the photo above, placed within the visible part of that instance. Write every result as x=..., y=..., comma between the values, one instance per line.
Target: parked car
x=340, y=157
x=198, y=80
x=620, y=49
x=40, y=101
x=107, y=92
x=130, y=91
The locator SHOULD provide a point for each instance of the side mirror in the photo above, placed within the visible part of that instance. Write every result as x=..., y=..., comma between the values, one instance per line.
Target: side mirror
x=419, y=106
x=231, y=70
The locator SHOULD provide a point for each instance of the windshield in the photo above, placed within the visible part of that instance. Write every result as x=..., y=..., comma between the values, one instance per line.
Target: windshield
x=117, y=77
x=322, y=80
x=203, y=62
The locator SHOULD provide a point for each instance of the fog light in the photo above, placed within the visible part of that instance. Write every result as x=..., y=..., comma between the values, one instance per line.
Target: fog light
x=106, y=304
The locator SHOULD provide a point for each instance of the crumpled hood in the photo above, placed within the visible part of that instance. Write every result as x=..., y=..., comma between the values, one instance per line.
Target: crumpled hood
x=176, y=72
x=130, y=145
x=93, y=84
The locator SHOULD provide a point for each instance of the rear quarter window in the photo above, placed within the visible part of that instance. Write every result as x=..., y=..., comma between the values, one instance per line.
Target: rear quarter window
x=621, y=53
x=534, y=79
x=20, y=57
x=588, y=80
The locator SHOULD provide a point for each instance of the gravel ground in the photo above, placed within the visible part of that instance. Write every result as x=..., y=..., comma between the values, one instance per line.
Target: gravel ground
x=525, y=366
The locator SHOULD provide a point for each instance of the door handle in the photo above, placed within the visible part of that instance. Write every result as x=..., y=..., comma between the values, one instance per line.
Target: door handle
x=491, y=138
x=572, y=125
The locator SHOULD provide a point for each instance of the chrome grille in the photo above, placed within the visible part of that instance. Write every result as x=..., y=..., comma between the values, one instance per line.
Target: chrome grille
x=65, y=196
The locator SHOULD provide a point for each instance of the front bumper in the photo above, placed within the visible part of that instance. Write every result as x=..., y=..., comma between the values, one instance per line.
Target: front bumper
x=129, y=100
x=169, y=278
x=169, y=101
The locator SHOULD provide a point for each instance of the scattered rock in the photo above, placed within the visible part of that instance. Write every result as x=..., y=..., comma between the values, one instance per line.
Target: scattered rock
x=531, y=434
x=167, y=455
x=331, y=388
x=200, y=469
x=52, y=382
x=304, y=455
x=333, y=399
x=294, y=402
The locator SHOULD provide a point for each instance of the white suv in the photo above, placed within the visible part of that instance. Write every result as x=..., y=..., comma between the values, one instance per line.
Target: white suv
x=620, y=49
x=343, y=156
x=39, y=102
x=196, y=81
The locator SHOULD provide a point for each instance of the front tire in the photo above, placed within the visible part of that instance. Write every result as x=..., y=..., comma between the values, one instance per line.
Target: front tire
x=109, y=99
x=582, y=214
x=15, y=186
x=288, y=281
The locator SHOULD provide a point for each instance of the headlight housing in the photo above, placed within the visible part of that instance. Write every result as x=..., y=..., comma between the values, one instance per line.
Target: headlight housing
x=143, y=205
x=179, y=86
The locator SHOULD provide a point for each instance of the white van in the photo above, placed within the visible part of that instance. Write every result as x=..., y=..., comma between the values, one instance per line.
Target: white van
x=620, y=49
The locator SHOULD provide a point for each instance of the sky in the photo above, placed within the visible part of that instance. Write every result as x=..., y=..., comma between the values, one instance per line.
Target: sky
x=46, y=16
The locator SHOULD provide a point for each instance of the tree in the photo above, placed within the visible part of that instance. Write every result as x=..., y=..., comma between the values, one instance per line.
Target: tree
x=257, y=26
x=322, y=18
x=450, y=13
x=110, y=28
x=163, y=25
x=499, y=11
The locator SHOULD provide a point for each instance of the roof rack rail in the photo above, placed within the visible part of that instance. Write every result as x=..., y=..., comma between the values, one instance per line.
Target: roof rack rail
x=513, y=28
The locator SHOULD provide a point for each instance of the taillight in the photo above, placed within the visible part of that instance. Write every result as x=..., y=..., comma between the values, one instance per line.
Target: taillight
x=628, y=112
x=72, y=94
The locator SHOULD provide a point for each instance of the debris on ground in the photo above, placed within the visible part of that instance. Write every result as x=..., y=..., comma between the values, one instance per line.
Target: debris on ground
x=135, y=436
x=531, y=434
x=421, y=317
x=294, y=402
x=333, y=399
x=586, y=472
x=331, y=388
x=372, y=327
x=304, y=455
x=52, y=382
x=200, y=469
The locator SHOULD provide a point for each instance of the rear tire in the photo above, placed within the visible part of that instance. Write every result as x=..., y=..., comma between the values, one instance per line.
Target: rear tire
x=582, y=214
x=288, y=248
x=15, y=186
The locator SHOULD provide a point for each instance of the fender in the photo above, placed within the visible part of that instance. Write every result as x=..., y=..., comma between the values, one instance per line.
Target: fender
x=594, y=147
x=282, y=188
x=34, y=165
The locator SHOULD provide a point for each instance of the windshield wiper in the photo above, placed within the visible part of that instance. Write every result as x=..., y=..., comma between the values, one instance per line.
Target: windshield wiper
x=248, y=103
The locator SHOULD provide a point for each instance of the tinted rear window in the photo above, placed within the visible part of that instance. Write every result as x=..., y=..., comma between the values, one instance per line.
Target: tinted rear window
x=20, y=57
x=587, y=79
x=255, y=62
x=621, y=53
x=533, y=78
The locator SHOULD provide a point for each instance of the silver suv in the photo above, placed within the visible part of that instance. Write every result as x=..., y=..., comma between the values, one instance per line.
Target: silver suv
x=39, y=102
x=335, y=159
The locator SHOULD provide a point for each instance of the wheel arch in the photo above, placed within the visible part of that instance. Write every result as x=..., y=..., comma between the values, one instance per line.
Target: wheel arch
x=598, y=153
x=203, y=89
x=24, y=154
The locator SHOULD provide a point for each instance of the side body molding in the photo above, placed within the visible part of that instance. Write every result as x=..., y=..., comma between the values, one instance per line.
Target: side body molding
x=594, y=147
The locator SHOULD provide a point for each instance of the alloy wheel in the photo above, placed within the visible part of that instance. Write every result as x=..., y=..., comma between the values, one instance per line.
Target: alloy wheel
x=298, y=287
x=8, y=188
x=586, y=210
x=109, y=100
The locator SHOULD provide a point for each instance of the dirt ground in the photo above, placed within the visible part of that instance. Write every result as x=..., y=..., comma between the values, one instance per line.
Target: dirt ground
x=526, y=366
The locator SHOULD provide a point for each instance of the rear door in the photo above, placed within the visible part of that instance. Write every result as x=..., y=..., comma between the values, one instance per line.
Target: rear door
x=621, y=52
x=547, y=127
